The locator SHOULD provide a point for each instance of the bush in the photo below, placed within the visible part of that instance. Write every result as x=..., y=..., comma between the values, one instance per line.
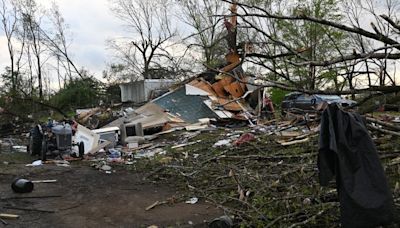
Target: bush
x=277, y=95
x=112, y=94
x=78, y=93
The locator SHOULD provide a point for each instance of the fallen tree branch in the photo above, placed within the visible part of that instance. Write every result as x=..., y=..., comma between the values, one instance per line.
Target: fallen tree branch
x=155, y=204
x=329, y=205
x=312, y=217
x=262, y=157
x=383, y=130
x=355, y=30
x=42, y=104
x=362, y=56
x=282, y=217
x=382, y=123
x=4, y=222
x=28, y=209
x=32, y=197
x=390, y=21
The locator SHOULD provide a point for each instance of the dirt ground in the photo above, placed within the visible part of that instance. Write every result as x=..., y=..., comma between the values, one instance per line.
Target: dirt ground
x=86, y=197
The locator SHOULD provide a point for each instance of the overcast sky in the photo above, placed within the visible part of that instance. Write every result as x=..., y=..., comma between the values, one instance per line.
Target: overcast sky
x=91, y=23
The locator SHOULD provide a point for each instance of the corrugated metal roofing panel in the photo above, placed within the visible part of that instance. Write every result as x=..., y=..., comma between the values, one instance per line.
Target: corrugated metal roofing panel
x=189, y=108
x=133, y=92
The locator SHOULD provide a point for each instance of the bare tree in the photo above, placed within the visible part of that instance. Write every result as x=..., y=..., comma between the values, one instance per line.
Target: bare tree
x=279, y=44
x=44, y=45
x=60, y=39
x=57, y=42
x=208, y=31
x=10, y=23
x=383, y=33
x=31, y=19
x=152, y=30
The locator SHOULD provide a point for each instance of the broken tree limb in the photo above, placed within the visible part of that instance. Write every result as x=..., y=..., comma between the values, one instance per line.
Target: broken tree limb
x=283, y=143
x=71, y=207
x=362, y=56
x=281, y=55
x=41, y=103
x=355, y=56
x=390, y=21
x=44, y=181
x=383, y=130
x=29, y=209
x=185, y=144
x=282, y=217
x=32, y=197
x=298, y=88
x=312, y=217
x=383, y=123
x=355, y=30
x=155, y=204
x=154, y=172
x=262, y=157
x=329, y=205
x=4, y=222
x=266, y=184
x=8, y=216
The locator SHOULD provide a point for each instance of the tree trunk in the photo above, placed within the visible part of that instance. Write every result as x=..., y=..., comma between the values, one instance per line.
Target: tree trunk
x=40, y=77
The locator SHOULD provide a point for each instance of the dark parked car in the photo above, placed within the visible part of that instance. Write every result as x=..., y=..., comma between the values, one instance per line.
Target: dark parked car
x=297, y=101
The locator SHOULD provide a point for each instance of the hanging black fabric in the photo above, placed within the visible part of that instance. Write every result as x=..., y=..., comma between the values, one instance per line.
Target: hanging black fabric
x=347, y=151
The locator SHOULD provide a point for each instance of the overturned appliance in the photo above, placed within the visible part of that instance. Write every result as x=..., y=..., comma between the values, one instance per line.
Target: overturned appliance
x=53, y=141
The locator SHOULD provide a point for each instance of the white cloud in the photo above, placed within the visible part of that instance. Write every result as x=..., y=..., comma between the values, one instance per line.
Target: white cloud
x=91, y=23
x=4, y=57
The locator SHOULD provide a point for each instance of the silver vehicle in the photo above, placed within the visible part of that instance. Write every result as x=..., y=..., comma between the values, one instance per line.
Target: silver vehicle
x=301, y=102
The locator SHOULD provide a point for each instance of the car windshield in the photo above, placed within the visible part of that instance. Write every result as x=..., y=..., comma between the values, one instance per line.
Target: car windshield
x=329, y=97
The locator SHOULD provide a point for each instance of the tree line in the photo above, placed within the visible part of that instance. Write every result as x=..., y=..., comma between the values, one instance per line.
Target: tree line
x=314, y=46
x=37, y=39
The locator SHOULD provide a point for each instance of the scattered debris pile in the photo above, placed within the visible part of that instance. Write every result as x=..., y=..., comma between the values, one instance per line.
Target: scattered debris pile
x=199, y=99
x=262, y=181
x=262, y=174
x=208, y=137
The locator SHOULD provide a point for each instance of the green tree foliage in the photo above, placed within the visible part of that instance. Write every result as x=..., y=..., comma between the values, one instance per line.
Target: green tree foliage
x=6, y=80
x=277, y=95
x=78, y=93
x=317, y=42
x=112, y=94
x=16, y=100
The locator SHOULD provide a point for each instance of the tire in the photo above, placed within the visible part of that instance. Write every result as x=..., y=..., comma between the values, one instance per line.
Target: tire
x=313, y=101
x=30, y=145
x=81, y=149
x=35, y=141
x=43, y=153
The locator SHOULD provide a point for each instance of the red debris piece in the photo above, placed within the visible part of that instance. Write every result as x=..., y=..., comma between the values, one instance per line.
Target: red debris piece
x=247, y=137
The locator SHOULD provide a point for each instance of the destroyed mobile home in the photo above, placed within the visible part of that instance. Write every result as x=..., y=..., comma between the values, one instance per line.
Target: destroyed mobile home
x=218, y=149
x=191, y=106
x=217, y=140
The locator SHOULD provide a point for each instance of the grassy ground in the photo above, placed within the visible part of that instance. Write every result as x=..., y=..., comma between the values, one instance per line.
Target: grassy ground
x=259, y=184
x=262, y=183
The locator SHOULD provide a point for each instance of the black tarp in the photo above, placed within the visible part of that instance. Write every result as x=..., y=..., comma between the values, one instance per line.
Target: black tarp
x=347, y=151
